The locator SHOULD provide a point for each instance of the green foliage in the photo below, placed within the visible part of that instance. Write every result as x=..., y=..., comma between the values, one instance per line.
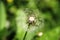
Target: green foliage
x=45, y=18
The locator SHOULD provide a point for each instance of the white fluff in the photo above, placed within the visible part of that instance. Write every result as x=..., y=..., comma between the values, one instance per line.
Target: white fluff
x=31, y=18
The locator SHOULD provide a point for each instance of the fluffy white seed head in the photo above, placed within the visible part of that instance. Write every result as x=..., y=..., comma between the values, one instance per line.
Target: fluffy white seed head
x=31, y=19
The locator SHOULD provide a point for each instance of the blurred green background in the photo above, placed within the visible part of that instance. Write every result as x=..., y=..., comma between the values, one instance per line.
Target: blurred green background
x=29, y=19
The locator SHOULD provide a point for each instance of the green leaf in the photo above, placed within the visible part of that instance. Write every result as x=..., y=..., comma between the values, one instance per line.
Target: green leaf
x=3, y=30
x=2, y=16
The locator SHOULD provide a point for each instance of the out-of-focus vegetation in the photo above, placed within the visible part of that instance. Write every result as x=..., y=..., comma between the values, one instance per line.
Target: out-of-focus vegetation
x=29, y=19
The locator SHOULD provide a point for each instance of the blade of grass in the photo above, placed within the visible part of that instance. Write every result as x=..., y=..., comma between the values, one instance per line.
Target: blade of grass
x=2, y=16
x=3, y=30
